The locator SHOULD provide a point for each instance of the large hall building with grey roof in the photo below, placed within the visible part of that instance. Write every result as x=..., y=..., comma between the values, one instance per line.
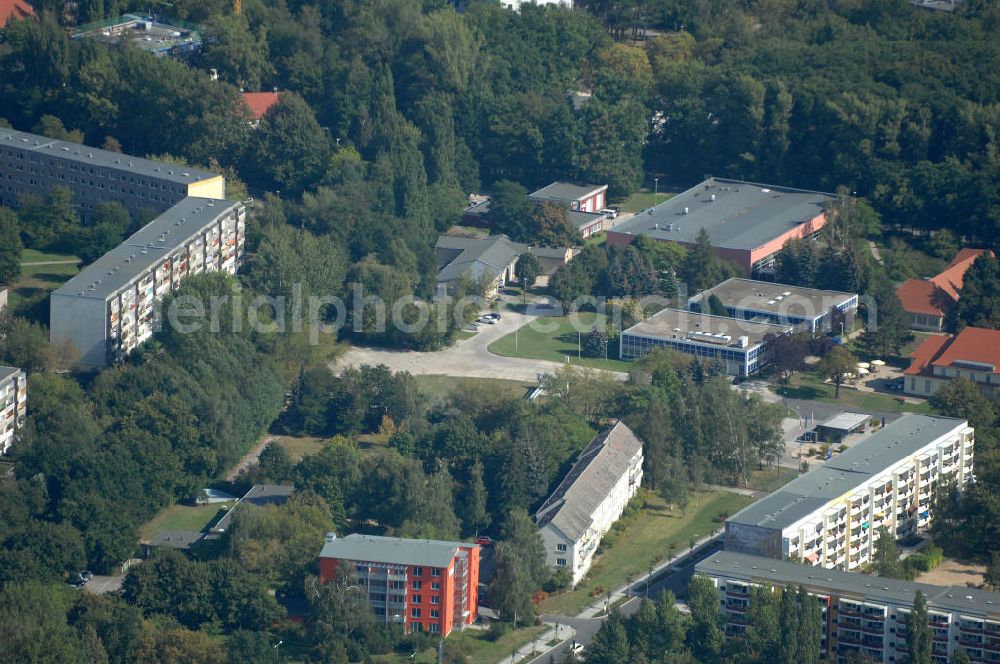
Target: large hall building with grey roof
x=747, y=223
x=589, y=499
x=830, y=516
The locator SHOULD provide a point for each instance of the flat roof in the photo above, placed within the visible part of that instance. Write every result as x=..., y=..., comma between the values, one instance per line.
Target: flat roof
x=393, y=550
x=144, y=248
x=749, y=568
x=176, y=539
x=581, y=220
x=703, y=328
x=744, y=215
x=867, y=458
x=567, y=191
x=45, y=146
x=8, y=372
x=260, y=495
x=845, y=421
x=772, y=298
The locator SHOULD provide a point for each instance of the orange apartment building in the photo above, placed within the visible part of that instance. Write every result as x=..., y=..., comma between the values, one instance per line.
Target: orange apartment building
x=747, y=223
x=425, y=585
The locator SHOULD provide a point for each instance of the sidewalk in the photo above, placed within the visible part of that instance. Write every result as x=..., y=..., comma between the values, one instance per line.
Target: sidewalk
x=596, y=610
x=538, y=646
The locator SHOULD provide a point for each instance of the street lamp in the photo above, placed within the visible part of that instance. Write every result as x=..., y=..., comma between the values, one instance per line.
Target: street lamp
x=656, y=190
x=275, y=646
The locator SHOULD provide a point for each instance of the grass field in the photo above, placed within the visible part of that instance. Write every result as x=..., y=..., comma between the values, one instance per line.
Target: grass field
x=183, y=517
x=38, y=280
x=300, y=446
x=437, y=387
x=474, y=645
x=648, y=536
x=770, y=479
x=807, y=385
x=643, y=199
x=554, y=338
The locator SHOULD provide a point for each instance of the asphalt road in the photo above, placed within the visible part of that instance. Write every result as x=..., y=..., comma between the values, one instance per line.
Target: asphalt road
x=468, y=357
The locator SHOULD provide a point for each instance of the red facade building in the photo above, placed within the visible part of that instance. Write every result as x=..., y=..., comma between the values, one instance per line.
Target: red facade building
x=426, y=585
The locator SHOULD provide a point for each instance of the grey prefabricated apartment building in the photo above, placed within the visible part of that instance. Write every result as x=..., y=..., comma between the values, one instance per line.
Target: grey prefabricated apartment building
x=108, y=309
x=32, y=164
x=13, y=404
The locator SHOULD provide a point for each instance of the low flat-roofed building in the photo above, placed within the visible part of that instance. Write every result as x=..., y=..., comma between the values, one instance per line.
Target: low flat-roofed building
x=973, y=353
x=587, y=223
x=148, y=33
x=425, y=585
x=259, y=495
x=580, y=197
x=735, y=342
x=842, y=425
x=107, y=309
x=830, y=515
x=807, y=308
x=747, y=223
x=489, y=262
x=14, y=401
x=589, y=499
x=862, y=614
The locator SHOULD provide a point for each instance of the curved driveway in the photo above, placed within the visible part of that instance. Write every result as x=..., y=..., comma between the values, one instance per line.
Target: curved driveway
x=468, y=357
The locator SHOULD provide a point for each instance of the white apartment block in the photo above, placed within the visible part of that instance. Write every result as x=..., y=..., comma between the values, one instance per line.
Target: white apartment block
x=590, y=498
x=830, y=515
x=517, y=4
x=862, y=614
x=108, y=309
x=14, y=397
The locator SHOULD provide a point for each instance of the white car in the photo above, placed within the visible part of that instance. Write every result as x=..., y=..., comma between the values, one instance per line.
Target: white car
x=610, y=213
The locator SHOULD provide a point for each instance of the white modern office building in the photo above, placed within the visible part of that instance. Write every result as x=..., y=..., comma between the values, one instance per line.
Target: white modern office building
x=14, y=400
x=830, y=516
x=861, y=614
x=108, y=309
x=737, y=343
x=590, y=498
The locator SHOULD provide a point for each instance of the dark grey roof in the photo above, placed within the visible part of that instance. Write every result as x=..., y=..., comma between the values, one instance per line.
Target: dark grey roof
x=780, y=299
x=695, y=327
x=598, y=468
x=845, y=421
x=566, y=191
x=176, y=539
x=393, y=550
x=471, y=258
x=744, y=567
x=843, y=473
x=260, y=495
x=44, y=146
x=7, y=373
x=743, y=216
x=145, y=248
x=581, y=220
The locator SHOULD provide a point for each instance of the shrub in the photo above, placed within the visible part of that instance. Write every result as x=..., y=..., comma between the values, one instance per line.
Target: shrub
x=497, y=630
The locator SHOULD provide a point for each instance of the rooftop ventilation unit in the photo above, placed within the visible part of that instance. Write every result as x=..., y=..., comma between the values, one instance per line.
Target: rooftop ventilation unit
x=686, y=210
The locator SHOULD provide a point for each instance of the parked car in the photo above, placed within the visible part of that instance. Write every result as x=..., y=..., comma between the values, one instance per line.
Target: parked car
x=483, y=540
x=495, y=315
x=610, y=213
x=488, y=320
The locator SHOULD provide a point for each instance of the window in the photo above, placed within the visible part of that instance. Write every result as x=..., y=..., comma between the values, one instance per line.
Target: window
x=435, y=613
x=414, y=613
x=418, y=571
x=435, y=571
x=927, y=386
x=417, y=585
x=435, y=628
x=435, y=599
x=561, y=548
x=560, y=562
x=416, y=599
x=435, y=585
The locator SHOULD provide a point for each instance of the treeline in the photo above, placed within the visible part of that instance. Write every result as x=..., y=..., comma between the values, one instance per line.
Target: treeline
x=882, y=98
x=95, y=461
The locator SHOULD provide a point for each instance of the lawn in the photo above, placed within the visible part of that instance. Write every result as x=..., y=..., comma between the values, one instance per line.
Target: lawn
x=645, y=539
x=36, y=281
x=771, y=479
x=554, y=338
x=437, y=387
x=807, y=385
x=474, y=644
x=643, y=199
x=183, y=517
x=300, y=446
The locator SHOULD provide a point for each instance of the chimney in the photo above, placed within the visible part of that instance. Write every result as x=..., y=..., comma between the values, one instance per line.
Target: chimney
x=686, y=210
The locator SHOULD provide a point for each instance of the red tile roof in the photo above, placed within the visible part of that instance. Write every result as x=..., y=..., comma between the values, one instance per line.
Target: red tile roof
x=258, y=102
x=973, y=344
x=933, y=296
x=925, y=353
x=10, y=9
